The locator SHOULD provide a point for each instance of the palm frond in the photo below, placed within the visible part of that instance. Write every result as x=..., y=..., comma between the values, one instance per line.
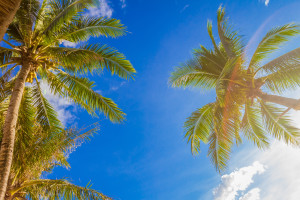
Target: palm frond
x=199, y=126
x=192, y=75
x=210, y=33
x=26, y=112
x=226, y=121
x=46, y=115
x=93, y=57
x=60, y=189
x=285, y=79
x=84, y=28
x=252, y=125
x=62, y=12
x=278, y=125
x=230, y=39
x=272, y=41
x=80, y=90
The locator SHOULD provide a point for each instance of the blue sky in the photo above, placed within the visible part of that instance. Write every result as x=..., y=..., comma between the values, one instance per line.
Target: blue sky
x=147, y=158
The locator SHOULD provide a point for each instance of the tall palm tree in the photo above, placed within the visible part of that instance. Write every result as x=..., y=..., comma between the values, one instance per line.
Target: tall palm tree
x=36, y=54
x=245, y=106
x=8, y=9
x=37, y=152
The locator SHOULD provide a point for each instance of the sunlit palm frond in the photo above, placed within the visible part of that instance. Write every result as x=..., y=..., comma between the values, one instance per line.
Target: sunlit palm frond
x=282, y=80
x=5, y=56
x=209, y=60
x=278, y=125
x=61, y=189
x=252, y=125
x=210, y=33
x=198, y=127
x=228, y=81
x=226, y=126
x=93, y=57
x=272, y=41
x=285, y=61
x=230, y=39
x=62, y=12
x=192, y=75
x=84, y=28
x=45, y=115
x=80, y=90
x=26, y=112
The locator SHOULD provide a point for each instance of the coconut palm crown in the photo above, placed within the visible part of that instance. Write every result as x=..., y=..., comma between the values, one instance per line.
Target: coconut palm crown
x=34, y=53
x=37, y=152
x=247, y=102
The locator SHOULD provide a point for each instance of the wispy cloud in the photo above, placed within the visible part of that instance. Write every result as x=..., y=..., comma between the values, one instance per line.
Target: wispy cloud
x=184, y=8
x=123, y=3
x=116, y=87
x=238, y=181
x=267, y=2
x=61, y=105
x=103, y=10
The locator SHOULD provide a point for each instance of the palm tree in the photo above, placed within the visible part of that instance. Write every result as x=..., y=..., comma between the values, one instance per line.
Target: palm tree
x=8, y=9
x=37, y=152
x=34, y=38
x=244, y=106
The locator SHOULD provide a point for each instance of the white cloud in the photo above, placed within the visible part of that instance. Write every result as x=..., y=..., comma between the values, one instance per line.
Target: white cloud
x=123, y=3
x=239, y=180
x=103, y=10
x=69, y=44
x=251, y=195
x=61, y=105
x=282, y=179
x=267, y=2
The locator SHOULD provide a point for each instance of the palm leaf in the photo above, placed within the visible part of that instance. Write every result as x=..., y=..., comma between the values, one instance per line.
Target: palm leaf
x=86, y=27
x=278, y=125
x=225, y=126
x=59, y=189
x=199, y=126
x=93, y=57
x=191, y=75
x=62, y=12
x=81, y=92
x=230, y=39
x=272, y=41
x=46, y=115
x=252, y=125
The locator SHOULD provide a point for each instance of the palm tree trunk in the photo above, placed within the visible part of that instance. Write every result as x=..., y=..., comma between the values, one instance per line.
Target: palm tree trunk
x=9, y=128
x=8, y=9
x=284, y=101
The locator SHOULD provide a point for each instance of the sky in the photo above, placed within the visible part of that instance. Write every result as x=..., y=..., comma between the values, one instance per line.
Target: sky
x=147, y=157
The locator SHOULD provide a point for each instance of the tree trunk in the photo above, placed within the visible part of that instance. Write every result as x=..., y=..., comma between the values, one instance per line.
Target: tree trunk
x=8, y=9
x=284, y=101
x=9, y=128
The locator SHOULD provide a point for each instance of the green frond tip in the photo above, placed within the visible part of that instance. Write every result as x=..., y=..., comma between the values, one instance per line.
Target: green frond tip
x=61, y=189
x=80, y=90
x=198, y=127
x=272, y=42
x=278, y=125
x=87, y=27
x=45, y=113
x=219, y=152
x=192, y=75
x=252, y=126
